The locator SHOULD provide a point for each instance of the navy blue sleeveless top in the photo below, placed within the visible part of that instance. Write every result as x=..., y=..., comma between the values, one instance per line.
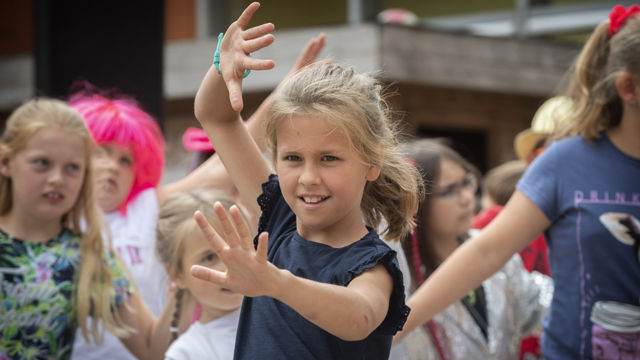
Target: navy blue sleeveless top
x=269, y=329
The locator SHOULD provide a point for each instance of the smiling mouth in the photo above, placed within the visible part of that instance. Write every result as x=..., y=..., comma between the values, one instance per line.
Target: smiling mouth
x=313, y=200
x=53, y=196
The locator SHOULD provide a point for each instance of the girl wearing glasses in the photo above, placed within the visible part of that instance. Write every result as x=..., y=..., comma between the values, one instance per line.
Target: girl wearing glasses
x=490, y=321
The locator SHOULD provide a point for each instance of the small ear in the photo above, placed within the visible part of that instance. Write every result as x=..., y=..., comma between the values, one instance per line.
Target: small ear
x=176, y=278
x=373, y=173
x=5, y=169
x=627, y=87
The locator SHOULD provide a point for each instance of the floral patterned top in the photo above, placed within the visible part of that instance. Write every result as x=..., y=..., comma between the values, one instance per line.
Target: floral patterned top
x=37, y=295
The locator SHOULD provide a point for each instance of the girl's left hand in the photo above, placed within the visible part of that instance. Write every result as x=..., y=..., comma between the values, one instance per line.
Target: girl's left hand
x=235, y=48
x=248, y=271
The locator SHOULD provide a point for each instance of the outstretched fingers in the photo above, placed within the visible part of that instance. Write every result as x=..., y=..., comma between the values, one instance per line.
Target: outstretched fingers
x=311, y=50
x=246, y=15
x=235, y=94
x=257, y=31
x=250, y=46
x=216, y=242
x=257, y=64
x=231, y=236
x=242, y=228
x=263, y=246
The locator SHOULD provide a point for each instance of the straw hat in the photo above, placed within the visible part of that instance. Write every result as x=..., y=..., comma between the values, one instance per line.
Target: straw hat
x=545, y=121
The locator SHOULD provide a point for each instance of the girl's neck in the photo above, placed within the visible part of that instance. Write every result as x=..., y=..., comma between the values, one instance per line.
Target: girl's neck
x=210, y=314
x=625, y=136
x=25, y=227
x=343, y=233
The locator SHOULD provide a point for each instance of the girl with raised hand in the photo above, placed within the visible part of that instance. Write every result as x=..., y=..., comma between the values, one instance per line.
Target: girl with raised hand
x=489, y=322
x=129, y=162
x=319, y=282
x=180, y=245
x=56, y=270
x=590, y=172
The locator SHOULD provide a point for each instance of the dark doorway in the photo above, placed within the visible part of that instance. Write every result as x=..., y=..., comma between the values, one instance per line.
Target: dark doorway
x=115, y=43
x=471, y=144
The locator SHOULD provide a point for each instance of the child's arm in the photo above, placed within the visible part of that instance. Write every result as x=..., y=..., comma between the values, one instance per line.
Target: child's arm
x=152, y=337
x=219, y=100
x=212, y=173
x=350, y=313
x=516, y=226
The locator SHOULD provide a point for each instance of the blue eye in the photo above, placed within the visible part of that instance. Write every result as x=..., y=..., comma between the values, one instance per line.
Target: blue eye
x=292, y=158
x=329, y=158
x=41, y=162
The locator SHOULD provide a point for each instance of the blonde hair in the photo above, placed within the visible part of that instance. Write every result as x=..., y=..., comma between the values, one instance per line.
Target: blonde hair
x=93, y=299
x=353, y=103
x=500, y=183
x=175, y=222
x=591, y=83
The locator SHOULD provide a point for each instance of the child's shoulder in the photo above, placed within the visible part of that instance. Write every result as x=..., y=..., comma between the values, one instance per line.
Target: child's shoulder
x=372, y=252
x=578, y=144
x=369, y=252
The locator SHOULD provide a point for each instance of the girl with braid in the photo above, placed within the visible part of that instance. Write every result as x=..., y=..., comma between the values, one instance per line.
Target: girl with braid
x=180, y=245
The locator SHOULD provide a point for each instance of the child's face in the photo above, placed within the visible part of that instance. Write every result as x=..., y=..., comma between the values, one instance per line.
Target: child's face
x=322, y=178
x=215, y=300
x=114, y=175
x=451, y=215
x=47, y=174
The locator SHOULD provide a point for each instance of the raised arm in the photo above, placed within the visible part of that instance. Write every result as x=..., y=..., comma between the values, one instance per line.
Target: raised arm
x=212, y=173
x=477, y=259
x=219, y=101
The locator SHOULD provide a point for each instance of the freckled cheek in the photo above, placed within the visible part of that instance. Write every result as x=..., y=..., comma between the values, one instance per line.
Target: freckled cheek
x=288, y=184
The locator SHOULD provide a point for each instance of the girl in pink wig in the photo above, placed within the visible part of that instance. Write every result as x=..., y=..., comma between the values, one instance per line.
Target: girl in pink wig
x=128, y=165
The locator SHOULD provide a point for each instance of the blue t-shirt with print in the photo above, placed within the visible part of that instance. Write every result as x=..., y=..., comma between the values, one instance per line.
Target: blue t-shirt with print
x=37, y=294
x=588, y=192
x=269, y=329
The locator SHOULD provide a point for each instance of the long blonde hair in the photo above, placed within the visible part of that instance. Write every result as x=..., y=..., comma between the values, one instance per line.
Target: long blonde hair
x=91, y=294
x=591, y=83
x=175, y=222
x=354, y=104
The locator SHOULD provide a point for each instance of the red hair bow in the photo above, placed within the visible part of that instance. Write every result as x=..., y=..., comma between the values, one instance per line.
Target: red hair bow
x=619, y=15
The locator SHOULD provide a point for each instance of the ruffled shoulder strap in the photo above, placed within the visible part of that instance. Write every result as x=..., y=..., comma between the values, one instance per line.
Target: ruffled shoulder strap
x=398, y=310
x=267, y=200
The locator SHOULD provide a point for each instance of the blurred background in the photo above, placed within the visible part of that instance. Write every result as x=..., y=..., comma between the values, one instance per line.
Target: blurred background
x=474, y=71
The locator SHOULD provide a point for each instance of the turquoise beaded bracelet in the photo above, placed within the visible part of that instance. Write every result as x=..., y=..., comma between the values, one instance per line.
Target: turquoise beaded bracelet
x=216, y=58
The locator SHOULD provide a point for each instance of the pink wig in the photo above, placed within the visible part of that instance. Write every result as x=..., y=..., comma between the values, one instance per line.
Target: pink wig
x=119, y=119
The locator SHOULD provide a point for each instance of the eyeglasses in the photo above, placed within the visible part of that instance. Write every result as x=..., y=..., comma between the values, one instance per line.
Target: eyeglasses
x=453, y=191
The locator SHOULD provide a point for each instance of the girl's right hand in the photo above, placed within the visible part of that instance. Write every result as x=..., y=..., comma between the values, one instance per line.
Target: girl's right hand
x=248, y=271
x=235, y=49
